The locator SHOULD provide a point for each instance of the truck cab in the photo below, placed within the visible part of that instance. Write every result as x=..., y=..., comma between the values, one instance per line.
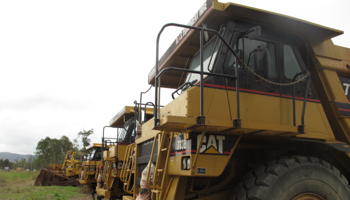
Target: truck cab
x=91, y=165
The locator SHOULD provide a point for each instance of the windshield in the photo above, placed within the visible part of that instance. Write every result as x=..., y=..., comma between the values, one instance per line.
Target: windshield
x=96, y=154
x=209, y=55
x=122, y=131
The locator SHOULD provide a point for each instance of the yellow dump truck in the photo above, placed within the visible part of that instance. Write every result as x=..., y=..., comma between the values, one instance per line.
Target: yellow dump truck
x=112, y=177
x=88, y=175
x=260, y=111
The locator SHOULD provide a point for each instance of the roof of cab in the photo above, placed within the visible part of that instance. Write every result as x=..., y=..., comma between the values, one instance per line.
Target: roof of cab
x=124, y=115
x=214, y=13
x=94, y=145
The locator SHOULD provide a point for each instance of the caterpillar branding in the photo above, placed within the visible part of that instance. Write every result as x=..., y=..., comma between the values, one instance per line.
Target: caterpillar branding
x=211, y=144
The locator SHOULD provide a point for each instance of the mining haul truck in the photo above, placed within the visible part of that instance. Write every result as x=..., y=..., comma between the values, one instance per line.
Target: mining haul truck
x=260, y=111
x=65, y=175
x=114, y=174
x=88, y=175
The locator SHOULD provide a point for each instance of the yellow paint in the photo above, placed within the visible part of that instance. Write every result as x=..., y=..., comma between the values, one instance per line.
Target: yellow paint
x=212, y=150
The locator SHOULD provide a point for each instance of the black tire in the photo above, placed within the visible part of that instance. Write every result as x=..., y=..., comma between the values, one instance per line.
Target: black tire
x=286, y=178
x=100, y=197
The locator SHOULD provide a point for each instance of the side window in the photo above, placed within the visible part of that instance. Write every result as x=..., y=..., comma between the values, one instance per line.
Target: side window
x=259, y=55
x=98, y=155
x=290, y=63
x=209, y=55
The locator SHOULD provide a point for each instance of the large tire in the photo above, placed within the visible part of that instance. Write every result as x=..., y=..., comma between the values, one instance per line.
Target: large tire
x=294, y=178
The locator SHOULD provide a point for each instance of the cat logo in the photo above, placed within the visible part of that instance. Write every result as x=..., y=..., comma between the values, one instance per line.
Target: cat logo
x=212, y=144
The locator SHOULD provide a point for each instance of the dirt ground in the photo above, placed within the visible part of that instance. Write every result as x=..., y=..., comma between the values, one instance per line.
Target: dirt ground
x=84, y=197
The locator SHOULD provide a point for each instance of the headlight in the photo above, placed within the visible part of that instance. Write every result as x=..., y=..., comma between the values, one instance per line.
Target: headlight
x=186, y=163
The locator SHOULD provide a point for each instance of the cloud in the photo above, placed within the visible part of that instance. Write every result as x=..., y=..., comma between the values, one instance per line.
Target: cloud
x=26, y=121
x=41, y=100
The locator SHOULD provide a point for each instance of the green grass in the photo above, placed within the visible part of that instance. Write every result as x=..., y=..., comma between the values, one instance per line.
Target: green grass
x=25, y=189
x=13, y=175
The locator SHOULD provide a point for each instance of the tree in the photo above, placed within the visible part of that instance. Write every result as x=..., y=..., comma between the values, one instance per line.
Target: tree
x=52, y=150
x=2, y=164
x=66, y=144
x=56, y=151
x=7, y=163
x=84, y=138
x=43, y=151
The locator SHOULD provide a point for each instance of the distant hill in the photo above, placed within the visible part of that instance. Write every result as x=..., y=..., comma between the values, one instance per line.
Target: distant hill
x=13, y=156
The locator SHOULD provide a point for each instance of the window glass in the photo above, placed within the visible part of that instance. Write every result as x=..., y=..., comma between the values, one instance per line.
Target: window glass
x=260, y=56
x=96, y=154
x=290, y=63
x=209, y=55
x=123, y=131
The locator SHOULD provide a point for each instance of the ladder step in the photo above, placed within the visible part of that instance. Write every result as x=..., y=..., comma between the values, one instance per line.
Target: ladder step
x=165, y=149
x=160, y=170
x=155, y=191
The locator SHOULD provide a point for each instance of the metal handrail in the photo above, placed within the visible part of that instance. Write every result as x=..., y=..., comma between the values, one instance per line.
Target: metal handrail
x=126, y=186
x=151, y=159
x=166, y=160
x=300, y=127
x=125, y=162
x=201, y=118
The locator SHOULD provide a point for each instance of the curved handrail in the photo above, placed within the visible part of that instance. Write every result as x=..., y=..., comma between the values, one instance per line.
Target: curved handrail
x=200, y=119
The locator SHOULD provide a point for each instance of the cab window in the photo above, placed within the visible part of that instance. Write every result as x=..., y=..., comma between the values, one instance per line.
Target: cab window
x=290, y=63
x=260, y=56
x=209, y=56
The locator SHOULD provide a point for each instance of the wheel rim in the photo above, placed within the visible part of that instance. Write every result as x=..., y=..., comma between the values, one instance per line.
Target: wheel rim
x=308, y=196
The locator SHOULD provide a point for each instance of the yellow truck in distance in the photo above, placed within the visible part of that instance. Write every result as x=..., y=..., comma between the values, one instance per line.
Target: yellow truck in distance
x=88, y=175
x=126, y=122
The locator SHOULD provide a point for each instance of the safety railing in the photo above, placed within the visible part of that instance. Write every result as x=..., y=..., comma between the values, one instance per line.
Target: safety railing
x=127, y=168
x=156, y=183
x=201, y=118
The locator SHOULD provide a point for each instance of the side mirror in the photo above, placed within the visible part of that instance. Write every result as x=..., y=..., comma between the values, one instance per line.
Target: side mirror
x=254, y=33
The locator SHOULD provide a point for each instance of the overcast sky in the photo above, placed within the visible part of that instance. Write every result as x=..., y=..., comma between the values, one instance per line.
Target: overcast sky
x=70, y=65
